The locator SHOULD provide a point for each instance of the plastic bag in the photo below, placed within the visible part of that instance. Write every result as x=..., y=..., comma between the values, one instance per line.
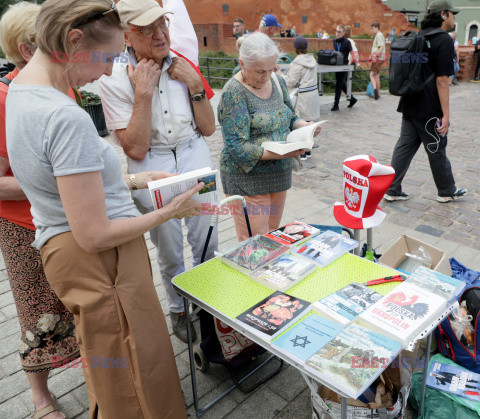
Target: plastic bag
x=415, y=260
x=461, y=322
x=370, y=91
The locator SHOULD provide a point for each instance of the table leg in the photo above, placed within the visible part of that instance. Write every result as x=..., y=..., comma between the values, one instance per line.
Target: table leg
x=369, y=252
x=344, y=408
x=425, y=373
x=190, y=355
x=349, y=85
x=356, y=236
x=320, y=84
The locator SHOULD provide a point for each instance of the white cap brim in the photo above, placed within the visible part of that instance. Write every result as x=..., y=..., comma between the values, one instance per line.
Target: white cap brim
x=149, y=17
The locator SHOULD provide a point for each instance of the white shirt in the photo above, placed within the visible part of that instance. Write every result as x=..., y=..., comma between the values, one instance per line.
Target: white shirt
x=172, y=114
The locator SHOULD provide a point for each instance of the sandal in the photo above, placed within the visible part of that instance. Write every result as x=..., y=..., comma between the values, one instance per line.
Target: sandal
x=39, y=414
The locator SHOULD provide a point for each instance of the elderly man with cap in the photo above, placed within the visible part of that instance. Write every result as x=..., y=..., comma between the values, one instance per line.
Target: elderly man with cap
x=159, y=111
x=426, y=115
x=269, y=25
x=302, y=78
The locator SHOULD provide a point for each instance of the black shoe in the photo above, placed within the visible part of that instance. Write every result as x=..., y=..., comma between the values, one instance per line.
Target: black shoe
x=376, y=95
x=303, y=157
x=335, y=108
x=352, y=102
x=179, y=326
x=308, y=154
x=455, y=83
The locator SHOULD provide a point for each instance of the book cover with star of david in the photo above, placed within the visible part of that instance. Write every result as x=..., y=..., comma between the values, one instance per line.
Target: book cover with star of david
x=304, y=339
x=273, y=314
x=353, y=359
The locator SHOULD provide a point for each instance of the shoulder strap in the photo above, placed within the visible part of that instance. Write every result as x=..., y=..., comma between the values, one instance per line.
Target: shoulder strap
x=5, y=81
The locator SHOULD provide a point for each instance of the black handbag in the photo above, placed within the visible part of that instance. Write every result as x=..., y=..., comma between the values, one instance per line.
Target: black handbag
x=329, y=57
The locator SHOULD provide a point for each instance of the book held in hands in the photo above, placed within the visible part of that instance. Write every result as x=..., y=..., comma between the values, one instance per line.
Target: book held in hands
x=353, y=359
x=284, y=272
x=162, y=191
x=326, y=247
x=273, y=314
x=298, y=139
x=293, y=233
x=253, y=253
x=304, y=339
x=346, y=304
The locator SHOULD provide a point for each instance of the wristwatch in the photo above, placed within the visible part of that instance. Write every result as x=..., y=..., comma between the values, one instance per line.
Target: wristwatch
x=198, y=96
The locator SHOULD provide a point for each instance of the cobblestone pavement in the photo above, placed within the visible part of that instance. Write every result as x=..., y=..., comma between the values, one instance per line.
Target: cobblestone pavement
x=369, y=128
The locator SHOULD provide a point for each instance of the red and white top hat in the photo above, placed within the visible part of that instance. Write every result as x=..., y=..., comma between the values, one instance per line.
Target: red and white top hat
x=364, y=183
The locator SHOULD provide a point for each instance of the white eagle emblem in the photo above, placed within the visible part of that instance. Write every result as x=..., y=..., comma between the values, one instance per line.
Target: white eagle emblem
x=352, y=198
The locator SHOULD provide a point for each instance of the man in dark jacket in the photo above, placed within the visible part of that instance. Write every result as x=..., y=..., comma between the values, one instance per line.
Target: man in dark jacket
x=426, y=115
x=343, y=45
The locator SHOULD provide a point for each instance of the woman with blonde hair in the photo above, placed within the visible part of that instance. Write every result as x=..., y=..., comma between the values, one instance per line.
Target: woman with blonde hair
x=47, y=328
x=89, y=233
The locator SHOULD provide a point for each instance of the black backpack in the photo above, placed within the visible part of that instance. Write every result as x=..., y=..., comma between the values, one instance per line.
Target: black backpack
x=407, y=55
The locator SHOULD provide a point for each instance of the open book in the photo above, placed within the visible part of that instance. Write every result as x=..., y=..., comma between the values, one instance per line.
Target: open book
x=298, y=139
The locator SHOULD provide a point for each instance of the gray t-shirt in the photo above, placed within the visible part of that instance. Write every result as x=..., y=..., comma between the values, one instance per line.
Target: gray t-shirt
x=49, y=135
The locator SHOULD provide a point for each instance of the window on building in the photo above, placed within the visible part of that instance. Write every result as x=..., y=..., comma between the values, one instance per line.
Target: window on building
x=304, y=19
x=356, y=25
x=225, y=8
x=472, y=32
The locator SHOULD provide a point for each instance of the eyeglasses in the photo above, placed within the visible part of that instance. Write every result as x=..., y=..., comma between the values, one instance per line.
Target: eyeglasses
x=89, y=19
x=148, y=31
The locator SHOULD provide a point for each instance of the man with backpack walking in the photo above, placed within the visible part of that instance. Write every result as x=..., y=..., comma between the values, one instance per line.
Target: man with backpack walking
x=425, y=106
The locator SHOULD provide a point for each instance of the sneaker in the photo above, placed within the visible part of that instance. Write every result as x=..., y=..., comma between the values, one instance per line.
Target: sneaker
x=335, y=108
x=455, y=83
x=308, y=154
x=376, y=95
x=402, y=196
x=303, y=157
x=179, y=326
x=352, y=102
x=459, y=193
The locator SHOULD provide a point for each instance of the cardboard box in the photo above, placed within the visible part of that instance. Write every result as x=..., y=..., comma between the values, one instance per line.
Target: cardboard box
x=406, y=244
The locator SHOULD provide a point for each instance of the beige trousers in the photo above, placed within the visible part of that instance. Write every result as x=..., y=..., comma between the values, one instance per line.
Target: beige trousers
x=130, y=368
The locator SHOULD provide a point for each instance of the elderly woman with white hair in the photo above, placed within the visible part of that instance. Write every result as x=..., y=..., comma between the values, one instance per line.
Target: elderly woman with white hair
x=255, y=107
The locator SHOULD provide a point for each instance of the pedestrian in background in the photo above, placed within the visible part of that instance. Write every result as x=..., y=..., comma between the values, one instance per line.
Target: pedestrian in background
x=342, y=45
x=302, y=78
x=377, y=58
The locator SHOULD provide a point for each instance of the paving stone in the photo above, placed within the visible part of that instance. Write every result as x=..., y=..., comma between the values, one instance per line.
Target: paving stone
x=10, y=311
x=11, y=363
x=67, y=380
x=6, y=299
x=9, y=344
x=70, y=406
x=264, y=402
x=81, y=396
x=9, y=328
x=429, y=230
x=83, y=415
x=288, y=384
x=12, y=385
x=221, y=409
x=4, y=287
x=13, y=409
x=299, y=408
x=3, y=317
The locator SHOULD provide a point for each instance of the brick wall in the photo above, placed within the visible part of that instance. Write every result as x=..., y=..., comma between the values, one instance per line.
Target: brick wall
x=320, y=14
x=468, y=61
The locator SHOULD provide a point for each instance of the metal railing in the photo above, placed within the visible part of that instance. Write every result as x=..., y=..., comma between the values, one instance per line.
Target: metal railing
x=210, y=72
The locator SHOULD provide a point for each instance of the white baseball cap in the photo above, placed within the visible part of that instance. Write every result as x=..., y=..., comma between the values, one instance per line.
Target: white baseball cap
x=140, y=12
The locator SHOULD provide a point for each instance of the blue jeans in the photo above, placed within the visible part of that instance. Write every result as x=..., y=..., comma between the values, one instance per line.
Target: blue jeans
x=184, y=156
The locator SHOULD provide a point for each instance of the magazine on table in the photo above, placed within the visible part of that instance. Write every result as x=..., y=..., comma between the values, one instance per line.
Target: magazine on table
x=304, y=339
x=404, y=312
x=326, y=247
x=346, y=304
x=438, y=283
x=162, y=191
x=293, y=233
x=273, y=314
x=455, y=380
x=253, y=254
x=353, y=359
x=284, y=272
x=298, y=139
